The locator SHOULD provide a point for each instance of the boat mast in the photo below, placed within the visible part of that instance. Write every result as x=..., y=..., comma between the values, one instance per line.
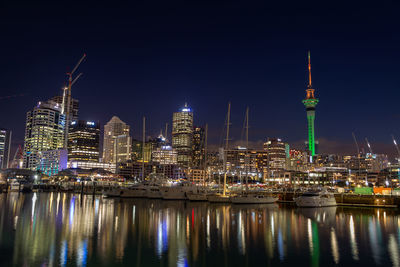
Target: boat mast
x=205, y=155
x=143, y=143
x=226, y=145
x=247, y=148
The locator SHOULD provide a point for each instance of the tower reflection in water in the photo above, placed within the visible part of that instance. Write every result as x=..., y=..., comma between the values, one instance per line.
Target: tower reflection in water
x=67, y=229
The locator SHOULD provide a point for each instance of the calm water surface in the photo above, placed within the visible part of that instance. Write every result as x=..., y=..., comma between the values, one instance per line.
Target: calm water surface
x=57, y=229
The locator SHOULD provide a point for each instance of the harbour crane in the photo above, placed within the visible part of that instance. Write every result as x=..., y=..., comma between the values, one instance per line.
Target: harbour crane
x=358, y=153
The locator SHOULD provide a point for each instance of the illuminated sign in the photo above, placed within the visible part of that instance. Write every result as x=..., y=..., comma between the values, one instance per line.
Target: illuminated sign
x=90, y=123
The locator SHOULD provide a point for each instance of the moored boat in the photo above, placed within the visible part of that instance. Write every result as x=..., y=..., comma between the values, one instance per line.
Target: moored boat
x=219, y=198
x=153, y=191
x=253, y=199
x=133, y=191
x=112, y=192
x=313, y=199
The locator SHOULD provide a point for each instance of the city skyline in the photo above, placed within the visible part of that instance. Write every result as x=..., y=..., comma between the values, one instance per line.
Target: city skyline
x=270, y=77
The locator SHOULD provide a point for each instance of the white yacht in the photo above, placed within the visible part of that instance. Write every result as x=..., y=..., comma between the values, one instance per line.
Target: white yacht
x=112, y=192
x=219, y=198
x=153, y=191
x=133, y=191
x=177, y=192
x=198, y=194
x=253, y=199
x=314, y=199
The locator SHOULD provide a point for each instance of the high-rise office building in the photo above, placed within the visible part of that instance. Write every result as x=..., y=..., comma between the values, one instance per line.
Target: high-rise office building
x=164, y=155
x=44, y=131
x=277, y=154
x=198, y=147
x=74, y=106
x=5, y=144
x=117, y=141
x=83, y=141
x=182, y=135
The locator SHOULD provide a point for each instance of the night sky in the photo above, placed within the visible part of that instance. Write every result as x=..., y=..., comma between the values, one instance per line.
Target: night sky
x=148, y=59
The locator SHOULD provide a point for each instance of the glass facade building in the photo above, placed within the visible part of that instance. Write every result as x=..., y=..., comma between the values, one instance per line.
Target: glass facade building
x=44, y=131
x=83, y=141
x=5, y=144
x=182, y=135
x=117, y=141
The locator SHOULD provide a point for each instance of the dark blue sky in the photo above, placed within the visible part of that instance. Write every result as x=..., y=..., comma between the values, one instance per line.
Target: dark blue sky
x=149, y=59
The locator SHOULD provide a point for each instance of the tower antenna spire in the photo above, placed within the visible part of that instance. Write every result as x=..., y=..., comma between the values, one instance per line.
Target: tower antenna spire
x=309, y=70
x=310, y=102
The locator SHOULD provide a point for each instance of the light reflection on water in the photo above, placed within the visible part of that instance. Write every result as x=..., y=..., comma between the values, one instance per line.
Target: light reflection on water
x=57, y=229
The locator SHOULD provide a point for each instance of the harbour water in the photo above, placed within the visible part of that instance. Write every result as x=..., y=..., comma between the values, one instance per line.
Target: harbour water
x=63, y=229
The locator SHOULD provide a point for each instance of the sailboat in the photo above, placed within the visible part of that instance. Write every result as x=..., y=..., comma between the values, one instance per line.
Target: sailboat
x=245, y=197
x=224, y=197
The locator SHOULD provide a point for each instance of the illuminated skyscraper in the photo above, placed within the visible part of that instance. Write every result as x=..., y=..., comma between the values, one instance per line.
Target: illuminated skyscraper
x=310, y=102
x=277, y=154
x=5, y=143
x=198, y=146
x=74, y=106
x=117, y=141
x=44, y=131
x=83, y=141
x=182, y=135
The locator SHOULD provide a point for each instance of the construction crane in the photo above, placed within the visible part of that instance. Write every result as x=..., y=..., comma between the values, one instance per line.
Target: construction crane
x=18, y=159
x=66, y=109
x=355, y=141
x=358, y=154
x=397, y=148
x=369, y=146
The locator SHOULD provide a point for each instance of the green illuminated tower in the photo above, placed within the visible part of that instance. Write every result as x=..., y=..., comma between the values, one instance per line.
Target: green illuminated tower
x=310, y=102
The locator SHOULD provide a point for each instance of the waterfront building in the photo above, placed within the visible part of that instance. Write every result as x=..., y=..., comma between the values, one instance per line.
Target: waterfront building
x=137, y=152
x=5, y=145
x=53, y=161
x=197, y=176
x=44, y=131
x=83, y=141
x=310, y=102
x=214, y=161
x=277, y=154
x=88, y=165
x=122, y=148
x=182, y=135
x=21, y=175
x=198, y=147
x=297, y=160
x=241, y=162
x=165, y=155
x=117, y=141
x=133, y=169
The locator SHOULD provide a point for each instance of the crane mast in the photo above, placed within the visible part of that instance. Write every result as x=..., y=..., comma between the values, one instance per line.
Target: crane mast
x=66, y=105
x=397, y=147
x=369, y=146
